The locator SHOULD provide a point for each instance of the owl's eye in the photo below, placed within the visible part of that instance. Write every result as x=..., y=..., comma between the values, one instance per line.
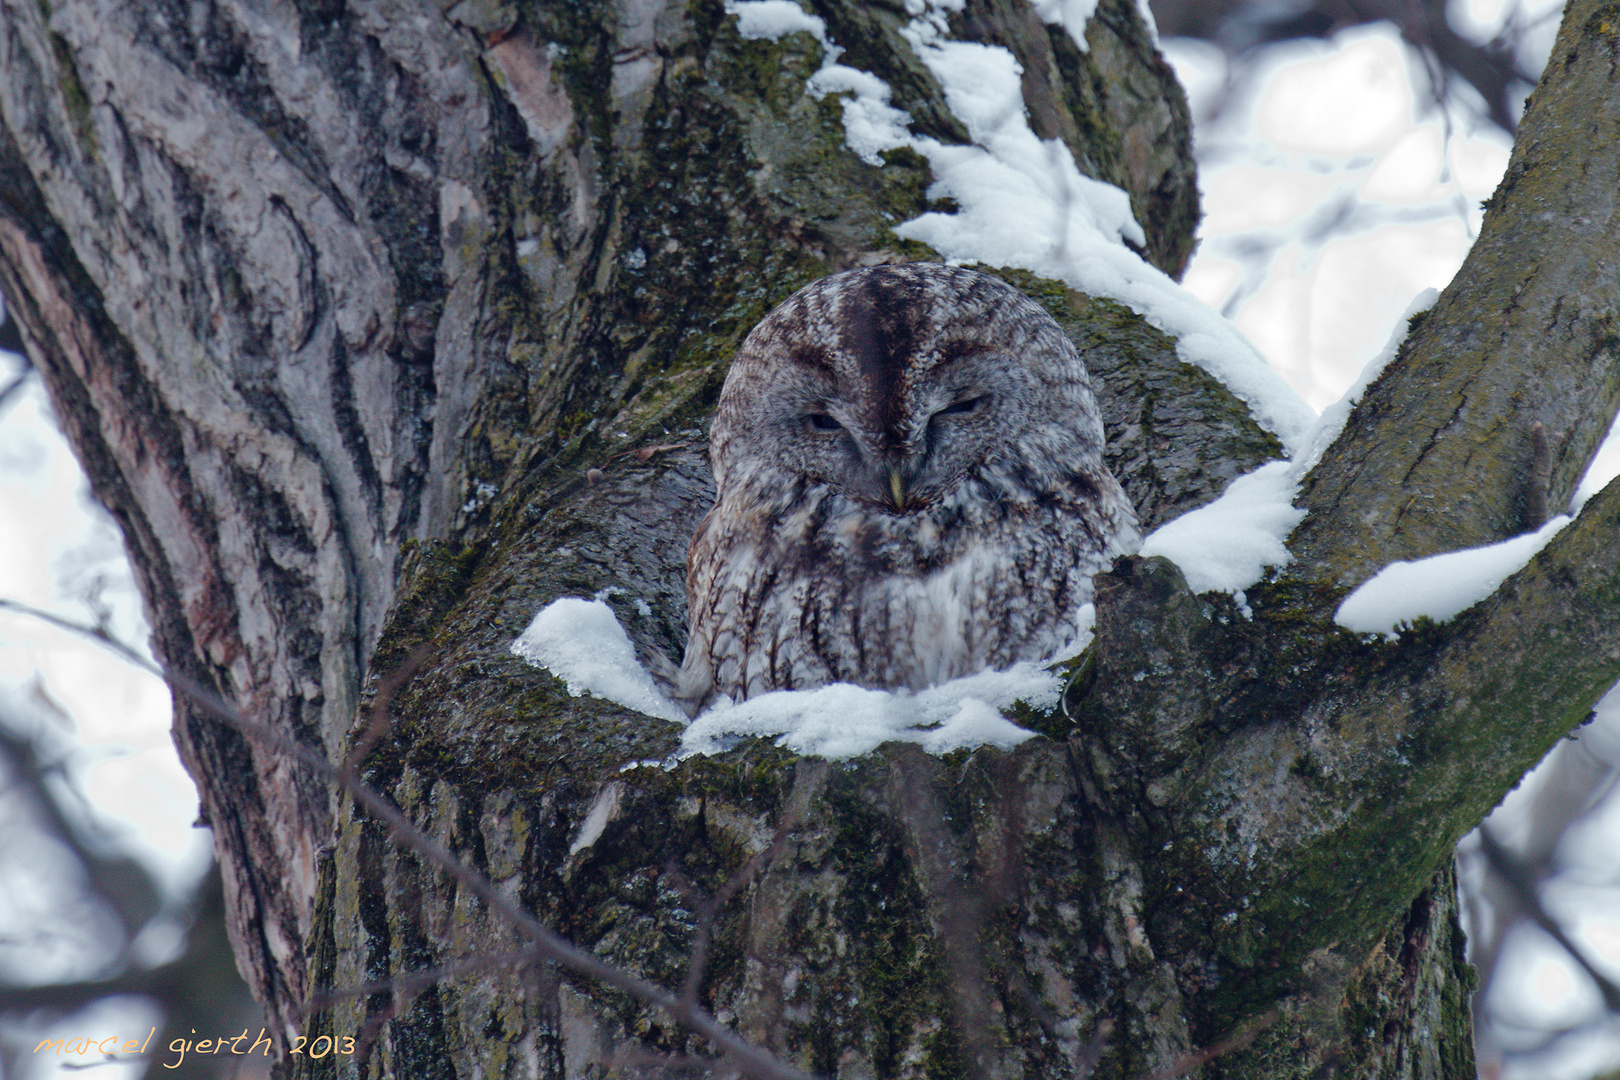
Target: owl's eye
x=822, y=422
x=965, y=406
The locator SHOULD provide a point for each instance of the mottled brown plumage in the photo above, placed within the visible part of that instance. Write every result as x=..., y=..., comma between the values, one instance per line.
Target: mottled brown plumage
x=911, y=489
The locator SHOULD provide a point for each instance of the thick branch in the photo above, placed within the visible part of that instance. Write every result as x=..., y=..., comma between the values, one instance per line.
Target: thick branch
x=1440, y=452
x=1307, y=782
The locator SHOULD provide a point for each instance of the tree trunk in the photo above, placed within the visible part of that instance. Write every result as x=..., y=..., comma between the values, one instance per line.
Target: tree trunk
x=378, y=327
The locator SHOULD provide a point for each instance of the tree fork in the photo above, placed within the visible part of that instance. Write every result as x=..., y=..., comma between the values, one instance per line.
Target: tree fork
x=433, y=312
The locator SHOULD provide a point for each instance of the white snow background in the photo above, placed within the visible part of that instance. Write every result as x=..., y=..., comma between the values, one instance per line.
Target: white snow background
x=1313, y=135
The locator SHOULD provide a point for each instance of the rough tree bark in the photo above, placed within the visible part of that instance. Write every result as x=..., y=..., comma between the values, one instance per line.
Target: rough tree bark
x=378, y=326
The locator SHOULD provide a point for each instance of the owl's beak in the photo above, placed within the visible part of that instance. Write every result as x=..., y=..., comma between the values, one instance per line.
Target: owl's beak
x=897, y=488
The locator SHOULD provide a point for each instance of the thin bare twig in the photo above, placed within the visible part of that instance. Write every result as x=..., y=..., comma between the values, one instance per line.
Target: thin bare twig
x=1236, y=1041
x=412, y=982
x=707, y=908
x=378, y=720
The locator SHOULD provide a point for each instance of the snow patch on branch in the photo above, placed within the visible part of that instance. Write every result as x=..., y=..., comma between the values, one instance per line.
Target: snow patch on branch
x=581, y=642
x=1024, y=203
x=1073, y=15
x=844, y=721
x=1227, y=544
x=871, y=124
x=1443, y=586
x=1440, y=587
x=767, y=20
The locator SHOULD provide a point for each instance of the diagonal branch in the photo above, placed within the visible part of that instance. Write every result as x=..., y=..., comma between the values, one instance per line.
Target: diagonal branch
x=1440, y=452
x=1355, y=765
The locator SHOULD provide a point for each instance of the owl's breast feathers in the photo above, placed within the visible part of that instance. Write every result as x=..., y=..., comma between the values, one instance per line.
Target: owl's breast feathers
x=797, y=586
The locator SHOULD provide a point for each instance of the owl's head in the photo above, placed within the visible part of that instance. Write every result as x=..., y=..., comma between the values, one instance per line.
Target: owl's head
x=894, y=384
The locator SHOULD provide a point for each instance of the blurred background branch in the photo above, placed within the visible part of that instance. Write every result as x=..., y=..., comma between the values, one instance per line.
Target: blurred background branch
x=84, y=923
x=1494, y=67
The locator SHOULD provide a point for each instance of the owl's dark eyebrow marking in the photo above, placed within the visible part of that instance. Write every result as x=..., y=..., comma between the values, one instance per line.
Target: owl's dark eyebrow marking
x=954, y=352
x=815, y=359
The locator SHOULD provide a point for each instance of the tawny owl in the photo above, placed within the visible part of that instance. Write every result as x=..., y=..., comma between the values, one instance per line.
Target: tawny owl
x=911, y=489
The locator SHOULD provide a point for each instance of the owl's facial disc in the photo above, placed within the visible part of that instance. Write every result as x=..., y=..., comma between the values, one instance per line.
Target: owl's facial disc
x=905, y=464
